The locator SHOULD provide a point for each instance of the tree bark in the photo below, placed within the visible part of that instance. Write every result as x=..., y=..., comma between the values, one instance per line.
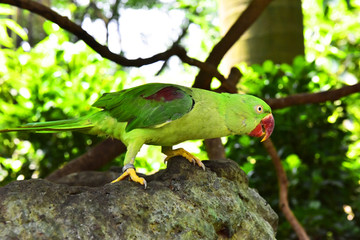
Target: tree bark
x=93, y=159
x=277, y=34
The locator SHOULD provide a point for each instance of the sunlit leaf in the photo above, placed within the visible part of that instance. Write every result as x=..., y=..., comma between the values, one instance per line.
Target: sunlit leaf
x=11, y=24
x=5, y=40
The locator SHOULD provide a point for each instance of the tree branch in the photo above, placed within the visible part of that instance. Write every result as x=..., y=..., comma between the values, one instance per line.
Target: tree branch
x=93, y=159
x=183, y=33
x=87, y=161
x=229, y=85
x=67, y=24
x=203, y=79
x=283, y=191
x=306, y=98
x=245, y=20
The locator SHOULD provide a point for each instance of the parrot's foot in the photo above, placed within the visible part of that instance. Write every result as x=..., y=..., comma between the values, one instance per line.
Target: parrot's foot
x=182, y=152
x=129, y=170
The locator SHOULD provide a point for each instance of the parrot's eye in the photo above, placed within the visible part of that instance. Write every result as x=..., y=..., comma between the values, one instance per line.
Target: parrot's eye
x=259, y=109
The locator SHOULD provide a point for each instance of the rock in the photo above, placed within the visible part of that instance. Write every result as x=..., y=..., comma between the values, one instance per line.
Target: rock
x=181, y=202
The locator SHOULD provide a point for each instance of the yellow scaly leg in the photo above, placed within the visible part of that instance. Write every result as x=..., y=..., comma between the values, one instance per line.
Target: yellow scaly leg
x=129, y=170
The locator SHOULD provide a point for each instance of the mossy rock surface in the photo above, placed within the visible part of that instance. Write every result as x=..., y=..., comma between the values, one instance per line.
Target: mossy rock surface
x=181, y=202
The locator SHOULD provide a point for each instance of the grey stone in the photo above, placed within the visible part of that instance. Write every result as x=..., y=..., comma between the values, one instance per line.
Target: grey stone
x=181, y=202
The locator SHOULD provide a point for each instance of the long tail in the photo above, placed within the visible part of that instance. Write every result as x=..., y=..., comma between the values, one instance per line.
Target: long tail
x=79, y=124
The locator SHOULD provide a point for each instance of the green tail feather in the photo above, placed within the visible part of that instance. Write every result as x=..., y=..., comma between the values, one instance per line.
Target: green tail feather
x=79, y=124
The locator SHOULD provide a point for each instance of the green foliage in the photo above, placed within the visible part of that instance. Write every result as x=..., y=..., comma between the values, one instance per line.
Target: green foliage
x=55, y=80
x=319, y=144
x=6, y=23
x=313, y=142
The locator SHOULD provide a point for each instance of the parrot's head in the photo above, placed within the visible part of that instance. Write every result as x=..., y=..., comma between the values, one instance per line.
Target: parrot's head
x=264, y=119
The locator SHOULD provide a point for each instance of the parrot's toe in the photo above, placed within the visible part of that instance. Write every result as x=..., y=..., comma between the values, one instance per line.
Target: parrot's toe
x=200, y=164
x=182, y=152
x=129, y=170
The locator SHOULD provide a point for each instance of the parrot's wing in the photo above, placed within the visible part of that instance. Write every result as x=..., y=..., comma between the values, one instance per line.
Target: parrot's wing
x=147, y=105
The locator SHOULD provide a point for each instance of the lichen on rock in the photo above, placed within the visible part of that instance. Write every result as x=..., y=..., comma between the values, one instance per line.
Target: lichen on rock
x=181, y=202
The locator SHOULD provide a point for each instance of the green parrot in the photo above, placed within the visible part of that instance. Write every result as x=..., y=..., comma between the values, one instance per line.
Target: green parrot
x=165, y=115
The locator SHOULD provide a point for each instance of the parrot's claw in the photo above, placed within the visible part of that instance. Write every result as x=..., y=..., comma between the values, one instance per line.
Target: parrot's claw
x=129, y=170
x=182, y=152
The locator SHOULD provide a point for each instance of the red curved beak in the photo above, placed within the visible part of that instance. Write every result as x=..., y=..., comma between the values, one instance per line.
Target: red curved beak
x=265, y=127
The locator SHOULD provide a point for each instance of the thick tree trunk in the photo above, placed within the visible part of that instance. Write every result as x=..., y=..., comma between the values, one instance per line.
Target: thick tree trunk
x=276, y=35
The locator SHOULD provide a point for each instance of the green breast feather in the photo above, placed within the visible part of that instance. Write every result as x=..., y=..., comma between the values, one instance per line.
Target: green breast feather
x=148, y=105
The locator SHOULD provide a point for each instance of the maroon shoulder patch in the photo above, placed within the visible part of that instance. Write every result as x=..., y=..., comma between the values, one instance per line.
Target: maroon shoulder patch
x=166, y=94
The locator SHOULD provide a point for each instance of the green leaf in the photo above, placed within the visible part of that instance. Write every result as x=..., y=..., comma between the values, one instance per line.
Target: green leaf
x=5, y=40
x=11, y=24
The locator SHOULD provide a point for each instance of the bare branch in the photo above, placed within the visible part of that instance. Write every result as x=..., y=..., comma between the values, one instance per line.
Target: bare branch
x=93, y=159
x=104, y=51
x=209, y=68
x=283, y=191
x=229, y=85
x=245, y=20
x=306, y=98
x=90, y=160
x=184, y=31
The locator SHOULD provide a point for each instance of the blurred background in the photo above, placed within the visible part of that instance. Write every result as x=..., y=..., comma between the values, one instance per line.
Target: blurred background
x=304, y=46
